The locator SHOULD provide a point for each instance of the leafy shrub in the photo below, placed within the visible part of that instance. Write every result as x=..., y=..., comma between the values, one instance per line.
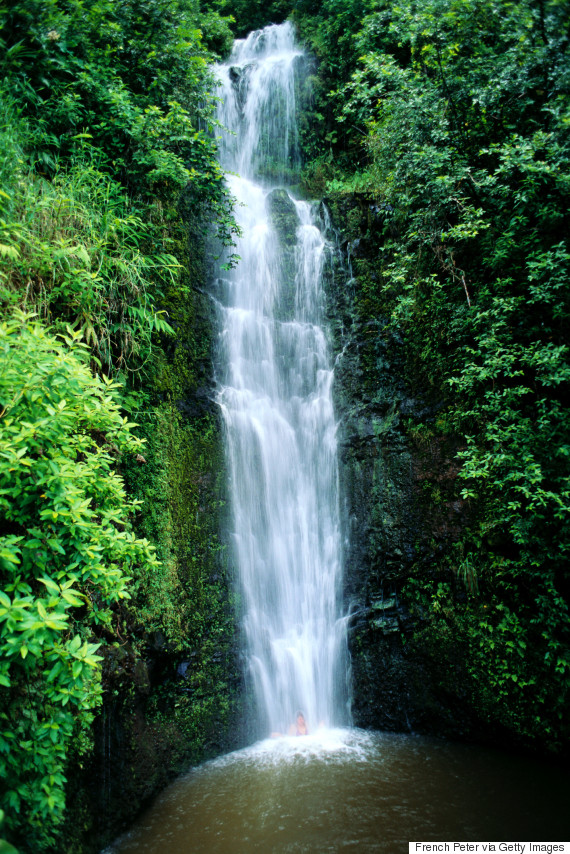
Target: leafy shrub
x=66, y=554
x=74, y=251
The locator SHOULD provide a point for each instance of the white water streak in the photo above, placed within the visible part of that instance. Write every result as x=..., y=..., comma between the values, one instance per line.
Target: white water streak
x=275, y=397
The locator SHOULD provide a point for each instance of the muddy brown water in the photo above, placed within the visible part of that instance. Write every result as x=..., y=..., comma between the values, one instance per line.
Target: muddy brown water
x=348, y=790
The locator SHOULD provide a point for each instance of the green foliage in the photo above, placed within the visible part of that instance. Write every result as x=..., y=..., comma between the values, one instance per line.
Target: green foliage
x=107, y=164
x=5, y=847
x=74, y=251
x=129, y=79
x=66, y=557
x=108, y=160
x=457, y=116
x=247, y=15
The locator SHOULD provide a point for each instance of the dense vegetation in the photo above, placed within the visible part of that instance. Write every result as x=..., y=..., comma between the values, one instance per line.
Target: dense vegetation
x=449, y=123
x=108, y=183
x=440, y=133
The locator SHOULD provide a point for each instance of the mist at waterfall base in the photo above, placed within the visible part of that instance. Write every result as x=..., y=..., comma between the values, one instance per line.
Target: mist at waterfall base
x=337, y=788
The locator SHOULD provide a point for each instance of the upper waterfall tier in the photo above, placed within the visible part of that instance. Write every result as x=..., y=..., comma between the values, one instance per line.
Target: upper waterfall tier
x=257, y=91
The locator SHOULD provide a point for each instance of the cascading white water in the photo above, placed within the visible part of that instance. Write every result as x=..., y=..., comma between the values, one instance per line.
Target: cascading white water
x=275, y=396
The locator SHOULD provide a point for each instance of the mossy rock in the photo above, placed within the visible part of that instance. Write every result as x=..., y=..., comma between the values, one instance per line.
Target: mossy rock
x=284, y=216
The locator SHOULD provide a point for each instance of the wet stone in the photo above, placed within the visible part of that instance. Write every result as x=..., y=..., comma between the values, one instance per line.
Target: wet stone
x=284, y=216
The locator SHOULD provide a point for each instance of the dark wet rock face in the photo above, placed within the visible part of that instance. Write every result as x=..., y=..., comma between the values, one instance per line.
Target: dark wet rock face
x=283, y=215
x=394, y=529
x=285, y=221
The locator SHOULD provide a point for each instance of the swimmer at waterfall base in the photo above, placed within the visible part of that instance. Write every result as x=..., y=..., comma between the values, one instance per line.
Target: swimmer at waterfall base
x=298, y=728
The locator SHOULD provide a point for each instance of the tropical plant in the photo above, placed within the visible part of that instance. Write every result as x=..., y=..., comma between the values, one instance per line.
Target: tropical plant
x=66, y=555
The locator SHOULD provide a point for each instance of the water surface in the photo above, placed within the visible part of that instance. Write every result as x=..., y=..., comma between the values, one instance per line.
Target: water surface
x=347, y=790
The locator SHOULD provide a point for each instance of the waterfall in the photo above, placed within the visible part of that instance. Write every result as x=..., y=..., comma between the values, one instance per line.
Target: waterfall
x=275, y=378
